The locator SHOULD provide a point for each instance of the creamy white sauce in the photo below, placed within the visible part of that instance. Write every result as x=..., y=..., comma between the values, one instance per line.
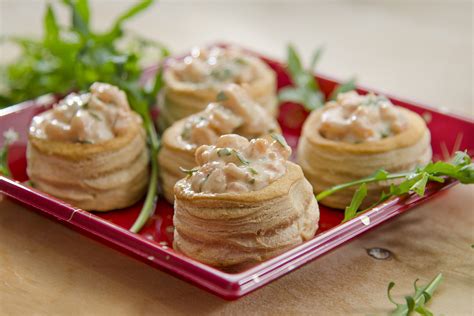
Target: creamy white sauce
x=234, y=112
x=93, y=117
x=215, y=66
x=235, y=164
x=355, y=118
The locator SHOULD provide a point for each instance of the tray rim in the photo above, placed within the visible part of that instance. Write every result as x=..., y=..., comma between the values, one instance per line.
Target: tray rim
x=226, y=285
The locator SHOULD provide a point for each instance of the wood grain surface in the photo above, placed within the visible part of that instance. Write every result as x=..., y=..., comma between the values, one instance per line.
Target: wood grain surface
x=417, y=49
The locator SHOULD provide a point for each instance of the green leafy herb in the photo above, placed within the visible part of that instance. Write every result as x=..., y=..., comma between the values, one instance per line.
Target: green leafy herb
x=221, y=96
x=357, y=200
x=95, y=116
x=9, y=137
x=280, y=139
x=305, y=89
x=460, y=168
x=417, y=302
x=240, y=157
x=347, y=86
x=224, y=152
x=221, y=74
x=253, y=171
x=72, y=57
x=189, y=172
x=241, y=61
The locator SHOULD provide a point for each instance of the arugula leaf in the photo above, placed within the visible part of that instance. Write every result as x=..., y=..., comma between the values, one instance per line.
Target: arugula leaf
x=416, y=302
x=4, y=169
x=116, y=30
x=305, y=89
x=357, y=200
x=381, y=175
x=80, y=15
x=294, y=64
x=51, y=28
x=315, y=58
x=9, y=137
x=419, y=186
x=461, y=169
x=72, y=57
x=343, y=87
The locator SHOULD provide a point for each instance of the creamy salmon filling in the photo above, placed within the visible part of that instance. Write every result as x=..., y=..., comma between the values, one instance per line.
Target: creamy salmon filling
x=234, y=111
x=97, y=116
x=355, y=118
x=235, y=164
x=215, y=66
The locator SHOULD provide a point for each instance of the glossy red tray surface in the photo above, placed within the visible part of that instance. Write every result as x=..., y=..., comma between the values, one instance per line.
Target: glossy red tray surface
x=153, y=244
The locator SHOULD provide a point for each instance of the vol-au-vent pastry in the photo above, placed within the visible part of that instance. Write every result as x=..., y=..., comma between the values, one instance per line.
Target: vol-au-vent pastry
x=90, y=150
x=243, y=203
x=356, y=135
x=193, y=82
x=234, y=112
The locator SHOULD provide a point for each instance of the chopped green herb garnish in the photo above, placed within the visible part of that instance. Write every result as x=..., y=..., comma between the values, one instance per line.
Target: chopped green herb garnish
x=186, y=132
x=95, y=116
x=280, y=139
x=252, y=171
x=221, y=96
x=204, y=181
x=240, y=157
x=252, y=181
x=189, y=172
x=240, y=61
x=224, y=152
x=417, y=302
x=221, y=74
x=460, y=168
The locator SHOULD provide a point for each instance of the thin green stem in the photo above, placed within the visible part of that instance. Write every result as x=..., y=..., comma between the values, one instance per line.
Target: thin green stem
x=433, y=285
x=150, y=200
x=340, y=187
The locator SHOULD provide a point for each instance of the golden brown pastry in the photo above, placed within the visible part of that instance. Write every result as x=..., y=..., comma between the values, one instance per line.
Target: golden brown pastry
x=244, y=203
x=356, y=135
x=193, y=82
x=90, y=150
x=235, y=113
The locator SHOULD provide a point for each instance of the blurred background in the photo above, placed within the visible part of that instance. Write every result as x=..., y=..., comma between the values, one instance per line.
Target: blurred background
x=421, y=50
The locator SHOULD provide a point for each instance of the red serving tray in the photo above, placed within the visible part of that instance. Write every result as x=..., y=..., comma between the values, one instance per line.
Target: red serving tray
x=153, y=244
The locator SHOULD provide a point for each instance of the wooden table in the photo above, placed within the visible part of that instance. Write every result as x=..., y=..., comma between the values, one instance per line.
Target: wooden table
x=421, y=50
